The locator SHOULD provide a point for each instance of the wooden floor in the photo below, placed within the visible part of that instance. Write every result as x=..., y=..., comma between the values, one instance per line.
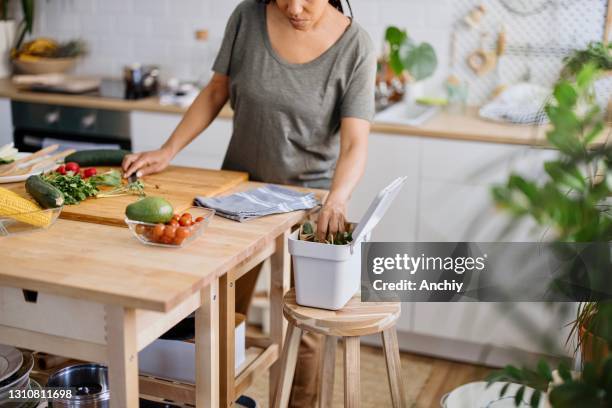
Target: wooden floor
x=445, y=376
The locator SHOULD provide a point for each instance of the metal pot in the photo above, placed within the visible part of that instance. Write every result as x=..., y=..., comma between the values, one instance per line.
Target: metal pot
x=89, y=383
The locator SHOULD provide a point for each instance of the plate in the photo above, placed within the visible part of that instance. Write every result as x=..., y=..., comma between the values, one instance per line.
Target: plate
x=10, y=361
x=14, y=179
x=478, y=395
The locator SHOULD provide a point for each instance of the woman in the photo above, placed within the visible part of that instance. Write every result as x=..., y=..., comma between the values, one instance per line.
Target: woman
x=299, y=76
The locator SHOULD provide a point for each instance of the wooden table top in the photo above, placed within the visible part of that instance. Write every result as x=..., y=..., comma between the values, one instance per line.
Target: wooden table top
x=108, y=265
x=179, y=185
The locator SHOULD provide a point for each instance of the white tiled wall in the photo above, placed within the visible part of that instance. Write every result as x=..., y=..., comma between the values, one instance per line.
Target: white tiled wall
x=162, y=31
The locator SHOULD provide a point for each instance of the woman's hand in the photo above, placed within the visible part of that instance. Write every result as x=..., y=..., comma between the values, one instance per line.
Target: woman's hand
x=332, y=219
x=144, y=163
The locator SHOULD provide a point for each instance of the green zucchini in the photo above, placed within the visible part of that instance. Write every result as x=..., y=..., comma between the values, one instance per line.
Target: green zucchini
x=44, y=193
x=98, y=157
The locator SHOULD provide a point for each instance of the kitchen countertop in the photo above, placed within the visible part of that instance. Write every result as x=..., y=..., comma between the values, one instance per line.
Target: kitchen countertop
x=464, y=126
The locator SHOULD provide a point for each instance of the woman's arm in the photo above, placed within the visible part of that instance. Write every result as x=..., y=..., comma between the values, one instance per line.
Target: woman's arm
x=349, y=169
x=200, y=114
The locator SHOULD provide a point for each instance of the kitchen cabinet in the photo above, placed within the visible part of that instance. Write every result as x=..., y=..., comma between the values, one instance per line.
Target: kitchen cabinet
x=455, y=204
x=151, y=129
x=6, y=127
x=389, y=157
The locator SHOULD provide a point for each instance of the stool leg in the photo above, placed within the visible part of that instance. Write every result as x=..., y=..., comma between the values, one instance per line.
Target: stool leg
x=351, y=372
x=326, y=378
x=288, y=362
x=394, y=369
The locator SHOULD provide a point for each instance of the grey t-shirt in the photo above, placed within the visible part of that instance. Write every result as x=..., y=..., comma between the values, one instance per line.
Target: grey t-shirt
x=287, y=116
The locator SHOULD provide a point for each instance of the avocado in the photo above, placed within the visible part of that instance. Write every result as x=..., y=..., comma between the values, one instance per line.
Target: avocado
x=150, y=209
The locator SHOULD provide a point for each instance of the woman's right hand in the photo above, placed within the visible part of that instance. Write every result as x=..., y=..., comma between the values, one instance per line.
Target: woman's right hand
x=144, y=163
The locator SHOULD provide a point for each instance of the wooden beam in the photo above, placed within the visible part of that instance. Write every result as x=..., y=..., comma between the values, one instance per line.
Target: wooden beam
x=207, y=348
x=280, y=280
x=258, y=367
x=122, y=356
x=227, y=317
x=57, y=345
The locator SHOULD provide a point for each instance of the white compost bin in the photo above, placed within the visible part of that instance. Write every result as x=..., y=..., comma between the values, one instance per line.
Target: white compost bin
x=327, y=276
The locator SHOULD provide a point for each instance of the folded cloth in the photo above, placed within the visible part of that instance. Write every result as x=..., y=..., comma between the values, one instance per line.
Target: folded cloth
x=266, y=200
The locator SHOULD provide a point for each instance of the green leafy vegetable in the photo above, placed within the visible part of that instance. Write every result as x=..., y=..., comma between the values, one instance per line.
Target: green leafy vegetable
x=6, y=161
x=135, y=187
x=73, y=187
x=308, y=233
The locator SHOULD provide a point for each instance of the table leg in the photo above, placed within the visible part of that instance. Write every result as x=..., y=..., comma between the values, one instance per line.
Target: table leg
x=207, y=348
x=227, y=318
x=122, y=356
x=280, y=279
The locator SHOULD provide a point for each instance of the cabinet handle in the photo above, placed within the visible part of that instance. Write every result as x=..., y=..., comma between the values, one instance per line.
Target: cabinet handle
x=88, y=121
x=52, y=117
x=30, y=296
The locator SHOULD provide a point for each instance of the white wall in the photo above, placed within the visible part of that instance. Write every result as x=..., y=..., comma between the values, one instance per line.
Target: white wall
x=162, y=31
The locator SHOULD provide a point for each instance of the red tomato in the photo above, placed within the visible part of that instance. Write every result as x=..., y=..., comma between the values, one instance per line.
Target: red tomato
x=87, y=173
x=61, y=169
x=199, y=219
x=73, y=167
x=182, y=232
x=176, y=217
x=158, y=231
x=170, y=231
x=173, y=222
x=185, y=220
x=165, y=240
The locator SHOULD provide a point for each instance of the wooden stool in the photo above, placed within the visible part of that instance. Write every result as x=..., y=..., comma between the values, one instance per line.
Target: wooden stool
x=354, y=320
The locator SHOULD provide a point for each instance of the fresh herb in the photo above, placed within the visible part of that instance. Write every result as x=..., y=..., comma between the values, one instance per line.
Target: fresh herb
x=111, y=178
x=6, y=161
x=73, y=187
x=135, y=187
x=308, y=233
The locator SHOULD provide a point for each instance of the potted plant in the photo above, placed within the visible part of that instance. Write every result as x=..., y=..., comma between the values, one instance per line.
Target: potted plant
x=409, y=60
x=573, y=204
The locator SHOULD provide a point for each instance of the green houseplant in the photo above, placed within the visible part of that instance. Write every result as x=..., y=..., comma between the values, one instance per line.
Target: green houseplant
x=573, y=204
x=409, y=60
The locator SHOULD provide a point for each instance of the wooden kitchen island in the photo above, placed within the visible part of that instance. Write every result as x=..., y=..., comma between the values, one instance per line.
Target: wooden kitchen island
x=102, y=296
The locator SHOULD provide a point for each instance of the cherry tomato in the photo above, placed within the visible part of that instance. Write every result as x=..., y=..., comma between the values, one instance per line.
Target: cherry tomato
x=199, y=219
x=165, y=240
x=182, y=232
x=178, y=240
x=173, y=222
x=73, y=167
x=185, y=220
x=61, y=169
x=87, y=173
x=176, y=217
x=141, y=229
x=170, y=231
x=158, y=231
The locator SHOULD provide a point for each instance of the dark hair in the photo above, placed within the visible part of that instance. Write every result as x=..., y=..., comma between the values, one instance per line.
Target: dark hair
x=337, y=4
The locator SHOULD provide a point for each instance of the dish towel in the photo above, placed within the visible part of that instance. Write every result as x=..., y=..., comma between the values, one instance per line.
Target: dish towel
x=255, y=203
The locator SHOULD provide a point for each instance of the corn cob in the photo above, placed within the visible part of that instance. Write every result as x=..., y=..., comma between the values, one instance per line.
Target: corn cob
x=12, y=205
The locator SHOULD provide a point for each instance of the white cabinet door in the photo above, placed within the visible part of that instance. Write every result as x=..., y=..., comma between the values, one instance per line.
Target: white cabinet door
x=455, y=204
x=390, y=157
x=151, y=129
x=6, y=122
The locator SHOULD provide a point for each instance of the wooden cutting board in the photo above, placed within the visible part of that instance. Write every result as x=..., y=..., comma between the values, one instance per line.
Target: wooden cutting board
x=178, y=185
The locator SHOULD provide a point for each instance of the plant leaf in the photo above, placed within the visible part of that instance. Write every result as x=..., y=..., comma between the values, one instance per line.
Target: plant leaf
x=420, y=61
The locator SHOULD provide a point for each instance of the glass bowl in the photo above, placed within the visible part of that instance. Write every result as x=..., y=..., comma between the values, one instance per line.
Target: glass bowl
x=28, y=221
x=158, y=235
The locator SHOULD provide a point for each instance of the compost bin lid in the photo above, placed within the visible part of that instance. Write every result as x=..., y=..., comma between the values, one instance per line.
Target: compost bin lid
x=378, y=208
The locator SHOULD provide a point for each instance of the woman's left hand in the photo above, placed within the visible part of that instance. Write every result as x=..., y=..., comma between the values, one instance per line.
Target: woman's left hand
x=332, y=219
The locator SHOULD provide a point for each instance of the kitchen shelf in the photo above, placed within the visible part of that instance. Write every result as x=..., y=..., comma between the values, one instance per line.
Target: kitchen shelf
x=261, y=353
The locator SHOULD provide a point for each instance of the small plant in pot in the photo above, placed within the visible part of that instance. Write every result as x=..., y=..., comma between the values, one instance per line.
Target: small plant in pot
x=573, y=204
x=412, y=61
